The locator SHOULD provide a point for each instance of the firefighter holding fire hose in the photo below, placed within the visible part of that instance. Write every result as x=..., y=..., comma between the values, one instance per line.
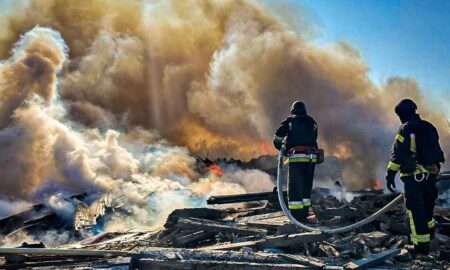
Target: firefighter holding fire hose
x=416, y=153
x=299, y=134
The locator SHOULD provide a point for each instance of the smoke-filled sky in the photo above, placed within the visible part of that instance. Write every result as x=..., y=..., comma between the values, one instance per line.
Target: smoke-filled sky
x=120, y=96
x=397, y=38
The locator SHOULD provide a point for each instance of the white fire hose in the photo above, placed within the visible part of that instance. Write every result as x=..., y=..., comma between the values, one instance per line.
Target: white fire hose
x=324, y=229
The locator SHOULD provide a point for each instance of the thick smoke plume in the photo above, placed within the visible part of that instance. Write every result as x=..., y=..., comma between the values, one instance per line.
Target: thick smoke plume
x=45, y=156
x=118, y=96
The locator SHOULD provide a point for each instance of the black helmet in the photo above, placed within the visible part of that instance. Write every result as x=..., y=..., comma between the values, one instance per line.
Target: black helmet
x=298, y=107
x=406, y=107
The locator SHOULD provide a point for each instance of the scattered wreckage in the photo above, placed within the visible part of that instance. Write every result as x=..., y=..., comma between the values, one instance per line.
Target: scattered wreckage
x=255, y=235
x=245, y=238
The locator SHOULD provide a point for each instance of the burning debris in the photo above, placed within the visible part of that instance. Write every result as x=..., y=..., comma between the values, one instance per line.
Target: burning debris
x=245, y=238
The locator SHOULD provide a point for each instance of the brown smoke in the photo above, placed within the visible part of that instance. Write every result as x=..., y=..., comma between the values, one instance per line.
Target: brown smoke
x=214, y=76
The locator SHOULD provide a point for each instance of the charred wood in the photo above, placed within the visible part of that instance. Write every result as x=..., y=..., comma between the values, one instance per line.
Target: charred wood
x=372, y=260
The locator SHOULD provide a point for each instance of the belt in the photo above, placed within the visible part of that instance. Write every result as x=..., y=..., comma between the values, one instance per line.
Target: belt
x=304, y=149
x=302, y=158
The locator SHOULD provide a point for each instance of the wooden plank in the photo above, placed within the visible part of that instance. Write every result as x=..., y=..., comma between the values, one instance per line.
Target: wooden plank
x=216, y=226
x=190, y=238
x=372, y=260
x=291, y=240
x=269, y=224
x=69, y=263
x=157, y=253
x=63, y=252
x=260, y=217
x=270, y=196
x=99, y=238
x=274, y=241
x=271, y=228
x=147, y=264
x=205, y=213
x=303, y=260
x=16, y=221
x=230, y=246
x=288, y=228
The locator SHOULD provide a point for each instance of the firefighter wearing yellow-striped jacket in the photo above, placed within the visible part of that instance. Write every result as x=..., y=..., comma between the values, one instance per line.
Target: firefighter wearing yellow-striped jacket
x=300, y=134
x=416, y=153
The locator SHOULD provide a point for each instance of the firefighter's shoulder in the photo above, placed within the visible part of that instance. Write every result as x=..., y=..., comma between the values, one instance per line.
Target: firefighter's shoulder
x=428, y=125
x=301, y=117
x=287, y=120
x=407, y=128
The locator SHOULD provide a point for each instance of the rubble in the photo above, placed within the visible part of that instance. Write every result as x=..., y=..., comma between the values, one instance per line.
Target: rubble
x=253, y=238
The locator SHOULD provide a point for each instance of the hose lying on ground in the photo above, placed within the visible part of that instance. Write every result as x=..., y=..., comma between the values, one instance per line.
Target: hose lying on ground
x=324, y=229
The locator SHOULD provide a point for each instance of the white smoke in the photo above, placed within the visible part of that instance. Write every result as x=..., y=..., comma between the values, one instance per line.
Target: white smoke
x=55, y=157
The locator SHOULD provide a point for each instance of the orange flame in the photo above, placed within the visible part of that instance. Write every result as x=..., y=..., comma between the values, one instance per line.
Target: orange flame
x=215, y=169
x=267, y=148
x=343, y=150
x=378, y=184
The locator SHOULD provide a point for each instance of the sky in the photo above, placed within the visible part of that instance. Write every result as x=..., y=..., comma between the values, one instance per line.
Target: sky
x=409, y=38
x=4, y=5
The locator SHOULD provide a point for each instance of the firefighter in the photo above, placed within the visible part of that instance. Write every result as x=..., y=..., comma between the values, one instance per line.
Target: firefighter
x=299, y=133
x=416, y=153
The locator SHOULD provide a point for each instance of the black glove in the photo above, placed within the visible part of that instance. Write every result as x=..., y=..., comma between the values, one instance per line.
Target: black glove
x=390, y=180
x=277, y=145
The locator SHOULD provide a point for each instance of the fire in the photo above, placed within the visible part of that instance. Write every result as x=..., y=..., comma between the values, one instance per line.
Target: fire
x=343, y=150
x=215, y=169
x=378, y=184
x=268, y=149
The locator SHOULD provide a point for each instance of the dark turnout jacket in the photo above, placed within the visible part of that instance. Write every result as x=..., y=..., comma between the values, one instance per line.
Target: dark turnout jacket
x=299, y=130
x=418, y=137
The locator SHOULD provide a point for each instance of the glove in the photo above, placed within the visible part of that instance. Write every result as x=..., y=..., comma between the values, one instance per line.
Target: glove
x=390, y=180
x=277, y=145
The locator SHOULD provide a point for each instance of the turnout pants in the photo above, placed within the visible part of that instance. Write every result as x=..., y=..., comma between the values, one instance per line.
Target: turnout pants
x=420, y=198
x=301, y=175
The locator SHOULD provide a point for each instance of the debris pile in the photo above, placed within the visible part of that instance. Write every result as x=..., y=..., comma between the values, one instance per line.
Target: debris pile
x=263, y=238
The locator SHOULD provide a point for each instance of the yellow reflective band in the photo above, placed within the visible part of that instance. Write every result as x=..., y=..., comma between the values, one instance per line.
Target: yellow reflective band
x=416, y=238
x=300, y=155
x=420, y=169
x=292, y=160
x=399, y=138
x=409, y=174
x=411, y=223
x=412, y=144
x=420, y=238
x=393, y=166
x=307, y=202
x=295, y=206
x=431, y=224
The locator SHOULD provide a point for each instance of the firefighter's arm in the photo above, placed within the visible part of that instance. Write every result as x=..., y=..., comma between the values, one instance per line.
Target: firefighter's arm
x=316, y=132
x=400, y=149
x=441, y=154
x=280, y=133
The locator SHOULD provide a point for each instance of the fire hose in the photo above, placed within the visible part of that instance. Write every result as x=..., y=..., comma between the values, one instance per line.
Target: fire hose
x=326, y=230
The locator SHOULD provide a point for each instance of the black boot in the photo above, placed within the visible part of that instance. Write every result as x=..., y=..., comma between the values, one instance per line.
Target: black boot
x=422, y=248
